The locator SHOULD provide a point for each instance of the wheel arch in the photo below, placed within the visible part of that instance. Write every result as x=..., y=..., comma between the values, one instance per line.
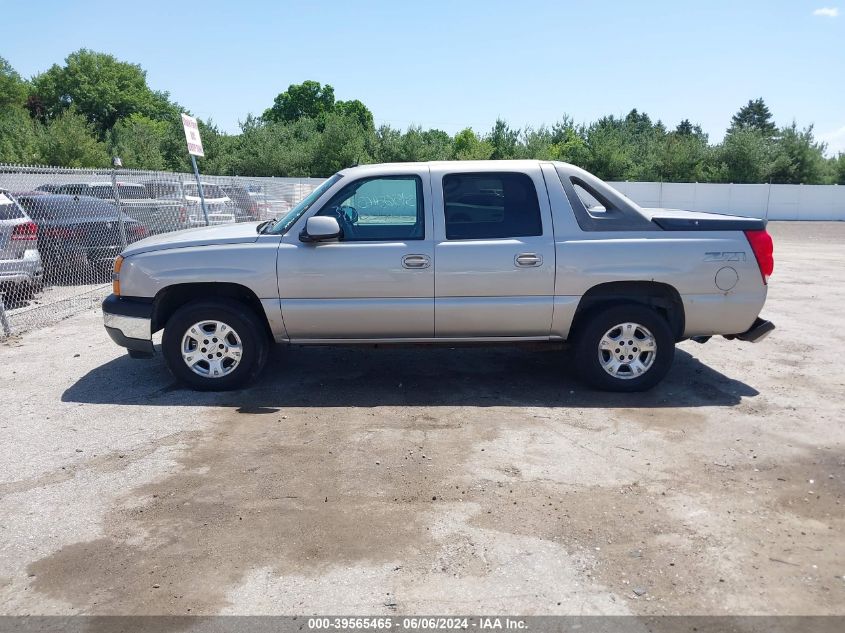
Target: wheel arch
x=656, y=295
x=171, y=298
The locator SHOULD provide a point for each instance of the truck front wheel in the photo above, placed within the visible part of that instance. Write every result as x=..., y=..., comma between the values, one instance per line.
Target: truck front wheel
x=626, y=347
x=215, y=345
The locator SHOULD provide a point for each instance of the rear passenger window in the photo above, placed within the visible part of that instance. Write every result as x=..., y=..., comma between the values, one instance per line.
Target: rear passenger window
x=489, y=206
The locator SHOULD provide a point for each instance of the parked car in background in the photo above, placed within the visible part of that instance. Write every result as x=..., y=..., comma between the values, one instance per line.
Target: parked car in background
x=221, y=209
x=159, y=215
x=78, y=235
x=47, y=187
x=246, y=208
x=21, y=269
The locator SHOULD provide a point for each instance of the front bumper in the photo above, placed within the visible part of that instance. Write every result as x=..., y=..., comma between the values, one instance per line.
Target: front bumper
x=129, y=324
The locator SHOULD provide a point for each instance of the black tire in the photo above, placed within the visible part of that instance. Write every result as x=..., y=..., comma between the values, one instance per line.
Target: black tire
x=237, y=316
x=593, y=327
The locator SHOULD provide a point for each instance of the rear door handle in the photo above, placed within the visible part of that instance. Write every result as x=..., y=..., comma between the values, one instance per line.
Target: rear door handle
x=528, y=260
x=416, y=261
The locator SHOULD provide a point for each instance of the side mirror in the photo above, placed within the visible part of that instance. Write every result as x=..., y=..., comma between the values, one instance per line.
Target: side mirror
x=320, y=228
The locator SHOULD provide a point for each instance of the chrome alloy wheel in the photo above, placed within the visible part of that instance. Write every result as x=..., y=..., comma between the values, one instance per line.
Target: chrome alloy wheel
x=211, y=349
x=627, y=350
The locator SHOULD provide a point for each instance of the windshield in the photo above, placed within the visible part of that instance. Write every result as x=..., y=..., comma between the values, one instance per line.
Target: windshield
x=287, y=220
x=209, y=191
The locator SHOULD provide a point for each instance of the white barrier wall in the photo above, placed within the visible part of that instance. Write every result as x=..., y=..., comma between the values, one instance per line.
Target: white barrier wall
x=777, y=202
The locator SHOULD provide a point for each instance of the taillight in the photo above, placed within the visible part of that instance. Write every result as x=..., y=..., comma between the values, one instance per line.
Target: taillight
x=26, y=231
x=138, y=232
x=183, y=215
x=763, y=247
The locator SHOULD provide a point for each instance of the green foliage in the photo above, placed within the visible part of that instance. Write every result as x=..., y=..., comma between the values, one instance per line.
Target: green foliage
x=468, y=146
x=568, y=142
x=755, y=115
x=504, y=140
x=139, y=140
x=100, y=88
x=94, y=106
x=356, y=110
x=743, y=157
x=13, y=89
x=308, y=100
x=609, y=152
x=837, y=166
x=684, y=155
x=19, y=136
x=797, y=158
x=70, y=141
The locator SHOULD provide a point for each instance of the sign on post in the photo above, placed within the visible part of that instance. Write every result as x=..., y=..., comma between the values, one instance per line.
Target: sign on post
x=192, y=136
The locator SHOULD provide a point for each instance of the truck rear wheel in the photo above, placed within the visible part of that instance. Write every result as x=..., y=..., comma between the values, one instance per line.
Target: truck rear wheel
x=626, y=348
x=215, y=345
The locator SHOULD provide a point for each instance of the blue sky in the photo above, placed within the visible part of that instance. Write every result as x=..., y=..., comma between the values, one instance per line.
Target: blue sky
x=465, y=62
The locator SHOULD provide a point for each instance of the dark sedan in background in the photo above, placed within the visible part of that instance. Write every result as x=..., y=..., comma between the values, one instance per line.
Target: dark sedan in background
x=78, y=236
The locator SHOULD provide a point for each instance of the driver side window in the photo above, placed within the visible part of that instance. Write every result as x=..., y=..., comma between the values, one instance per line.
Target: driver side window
x=387, y=208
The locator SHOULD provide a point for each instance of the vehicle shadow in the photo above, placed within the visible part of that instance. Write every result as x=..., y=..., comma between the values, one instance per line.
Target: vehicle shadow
x=366, y=377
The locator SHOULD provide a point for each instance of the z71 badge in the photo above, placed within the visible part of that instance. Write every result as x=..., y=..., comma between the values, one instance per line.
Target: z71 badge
x=724, y=257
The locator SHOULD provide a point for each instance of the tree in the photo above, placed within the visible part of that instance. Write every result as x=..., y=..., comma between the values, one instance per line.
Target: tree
x=536, y=143
x=138, y=140
x=684, y=128
x=838, y=168
x=420, y=145
x=684, y=154
x=609, y=151
x=69, y=141
x=568, y=143
x=468, y=146
x=797, y=158
x=386, y=145
x=743, y=157
x=101, y=88
x=755, y=115
x=357, y=110
x=306, y=100
x=504, y=140
x=13, y=89
x=18, y=136
x=340, y=145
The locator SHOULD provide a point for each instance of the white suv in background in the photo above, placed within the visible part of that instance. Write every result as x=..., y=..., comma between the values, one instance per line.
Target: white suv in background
x=21, y=270
x=221, y=209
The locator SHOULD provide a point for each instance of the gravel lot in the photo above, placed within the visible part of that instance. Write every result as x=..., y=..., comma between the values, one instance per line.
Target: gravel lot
x=435, y=481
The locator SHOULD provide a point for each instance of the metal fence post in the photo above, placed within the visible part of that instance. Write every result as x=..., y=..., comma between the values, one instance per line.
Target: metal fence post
x=4, y=319
x=199, y=187
x=115, y=163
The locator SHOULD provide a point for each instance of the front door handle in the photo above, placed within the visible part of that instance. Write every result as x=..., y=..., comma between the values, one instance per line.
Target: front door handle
x=416, y=261
x=528, y=260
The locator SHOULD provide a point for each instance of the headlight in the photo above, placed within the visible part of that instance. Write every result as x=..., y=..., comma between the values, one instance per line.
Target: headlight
x=115, y=276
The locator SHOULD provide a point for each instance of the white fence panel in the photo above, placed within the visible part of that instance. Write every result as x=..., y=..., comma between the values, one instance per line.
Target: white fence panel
x=777, y=202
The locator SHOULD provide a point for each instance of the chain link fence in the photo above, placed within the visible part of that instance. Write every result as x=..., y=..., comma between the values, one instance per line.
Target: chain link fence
x=61, y=229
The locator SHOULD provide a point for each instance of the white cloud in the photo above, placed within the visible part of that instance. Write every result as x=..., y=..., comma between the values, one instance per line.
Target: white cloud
x=827, y=12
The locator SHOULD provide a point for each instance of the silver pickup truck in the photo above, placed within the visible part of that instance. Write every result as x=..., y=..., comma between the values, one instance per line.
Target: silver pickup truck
x=447, y=253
